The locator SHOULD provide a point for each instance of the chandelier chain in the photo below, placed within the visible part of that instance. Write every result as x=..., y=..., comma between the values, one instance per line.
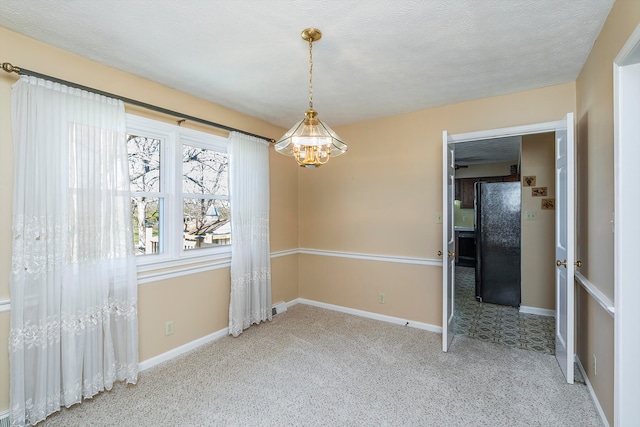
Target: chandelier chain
x=311, y=73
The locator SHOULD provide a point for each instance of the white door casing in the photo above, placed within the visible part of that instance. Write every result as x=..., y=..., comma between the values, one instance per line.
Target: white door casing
x=626, y=132
x=565, y=244
x=448, y=240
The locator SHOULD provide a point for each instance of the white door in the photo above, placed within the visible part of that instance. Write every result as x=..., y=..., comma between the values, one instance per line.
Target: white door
x=448, y=242
x=565, y=248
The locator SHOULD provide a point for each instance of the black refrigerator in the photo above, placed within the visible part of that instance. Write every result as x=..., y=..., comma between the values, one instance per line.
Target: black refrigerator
x=498, y=229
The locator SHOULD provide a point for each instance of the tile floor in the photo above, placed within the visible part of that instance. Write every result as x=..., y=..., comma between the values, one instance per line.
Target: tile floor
x=498, y=323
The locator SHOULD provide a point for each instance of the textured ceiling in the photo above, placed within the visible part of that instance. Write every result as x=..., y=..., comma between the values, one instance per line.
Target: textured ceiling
x=376, y=58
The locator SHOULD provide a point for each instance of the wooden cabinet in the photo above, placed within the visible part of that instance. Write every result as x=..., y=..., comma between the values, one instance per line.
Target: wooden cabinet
x=465, y=191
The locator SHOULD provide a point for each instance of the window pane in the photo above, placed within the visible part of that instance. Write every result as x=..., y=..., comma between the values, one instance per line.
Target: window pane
x=204, y=171
x=144, y=163
x=147, y=220
x=206, y=223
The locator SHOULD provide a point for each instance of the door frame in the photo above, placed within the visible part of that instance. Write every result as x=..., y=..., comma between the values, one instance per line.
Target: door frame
x=448, y=242
x=626, y=136
x=531, y=129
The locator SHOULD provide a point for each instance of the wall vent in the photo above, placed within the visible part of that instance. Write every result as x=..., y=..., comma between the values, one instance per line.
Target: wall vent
x=4, y=419
x=278, y=308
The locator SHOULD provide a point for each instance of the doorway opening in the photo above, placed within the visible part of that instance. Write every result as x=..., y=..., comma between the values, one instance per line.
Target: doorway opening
x=564, y=240
x=504, y=285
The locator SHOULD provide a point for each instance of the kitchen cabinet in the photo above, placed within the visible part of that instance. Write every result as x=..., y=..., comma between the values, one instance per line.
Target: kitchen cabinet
x=465, y=187
x=466, y=192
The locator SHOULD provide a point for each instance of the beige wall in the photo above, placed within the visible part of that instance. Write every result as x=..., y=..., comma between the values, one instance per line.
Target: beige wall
x=357, y=284
x=198, y=304
x=538, y=236
x=383, y=198
x=594, y=205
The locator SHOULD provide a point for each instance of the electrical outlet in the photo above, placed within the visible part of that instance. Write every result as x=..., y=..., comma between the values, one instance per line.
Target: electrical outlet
x=168, y=328
x=595, y=366
x=381, y=298
x=531, y=215
x=464, y=218
x=439, y=218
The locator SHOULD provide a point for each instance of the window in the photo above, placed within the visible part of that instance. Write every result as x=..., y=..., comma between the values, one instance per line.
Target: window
x=180, y=191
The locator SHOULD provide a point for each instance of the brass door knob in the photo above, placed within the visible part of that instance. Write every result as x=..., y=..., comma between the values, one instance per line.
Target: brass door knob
x=439, y=253
x=578, y=263
x=561, y=263
x=452, y=254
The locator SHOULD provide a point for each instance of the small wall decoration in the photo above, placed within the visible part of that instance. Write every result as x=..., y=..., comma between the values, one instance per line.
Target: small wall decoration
x=549, y=204
x=528, y=181
x=539, y=191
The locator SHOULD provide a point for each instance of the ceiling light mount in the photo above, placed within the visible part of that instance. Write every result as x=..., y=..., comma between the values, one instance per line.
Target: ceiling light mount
x=311, y=35
x=310, y=140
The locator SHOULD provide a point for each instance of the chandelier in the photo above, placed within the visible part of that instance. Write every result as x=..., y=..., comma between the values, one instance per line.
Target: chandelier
x=310, y=140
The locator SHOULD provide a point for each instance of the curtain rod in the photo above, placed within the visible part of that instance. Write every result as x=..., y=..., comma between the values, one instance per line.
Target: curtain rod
x=22, y=71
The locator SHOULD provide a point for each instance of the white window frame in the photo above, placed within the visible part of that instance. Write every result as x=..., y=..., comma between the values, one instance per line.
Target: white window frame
x=172, y=138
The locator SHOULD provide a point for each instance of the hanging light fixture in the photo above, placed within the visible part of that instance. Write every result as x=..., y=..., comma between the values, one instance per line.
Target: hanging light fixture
x=310, y=140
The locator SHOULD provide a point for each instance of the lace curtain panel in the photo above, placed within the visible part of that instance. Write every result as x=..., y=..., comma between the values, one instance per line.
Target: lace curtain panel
x=74, y=326
x=250, y=251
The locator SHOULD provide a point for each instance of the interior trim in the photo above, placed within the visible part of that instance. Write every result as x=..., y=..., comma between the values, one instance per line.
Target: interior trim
x=592, y=392
x=154, y=276
x=168, y=355
x=511, y=131
x=626, y=148
x=279, y=254
x=596, y=293
x=368, y=314
x=371, y=257
x=537, y=310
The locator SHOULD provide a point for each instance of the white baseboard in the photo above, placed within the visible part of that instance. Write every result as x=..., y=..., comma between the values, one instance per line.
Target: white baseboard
x=538, y=311
x=367, y=314
x=150, y=363
x=591, y=392
x=293, y=302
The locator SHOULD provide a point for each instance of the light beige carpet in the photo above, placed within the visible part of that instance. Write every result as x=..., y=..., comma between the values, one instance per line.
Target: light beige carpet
x=314, y=367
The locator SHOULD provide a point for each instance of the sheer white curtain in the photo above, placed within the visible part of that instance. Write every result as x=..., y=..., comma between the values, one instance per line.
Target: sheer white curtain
x=74, y=327
x=250, y=252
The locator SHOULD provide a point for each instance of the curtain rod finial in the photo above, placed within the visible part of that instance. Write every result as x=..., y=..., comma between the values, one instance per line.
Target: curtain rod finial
x=10, y=68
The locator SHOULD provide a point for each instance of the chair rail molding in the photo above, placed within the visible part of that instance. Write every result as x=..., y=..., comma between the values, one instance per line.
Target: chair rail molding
x=373, y=257
x=596, y=294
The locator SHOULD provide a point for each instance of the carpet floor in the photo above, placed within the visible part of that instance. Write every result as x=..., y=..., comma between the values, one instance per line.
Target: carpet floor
x=314, y=367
